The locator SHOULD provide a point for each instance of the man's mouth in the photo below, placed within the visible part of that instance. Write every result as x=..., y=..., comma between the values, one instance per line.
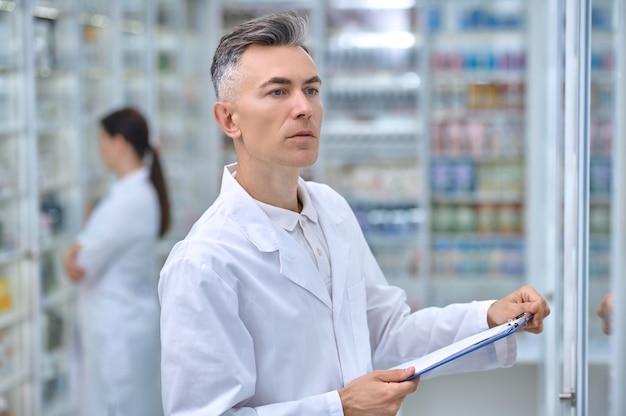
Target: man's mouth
x=302, y=133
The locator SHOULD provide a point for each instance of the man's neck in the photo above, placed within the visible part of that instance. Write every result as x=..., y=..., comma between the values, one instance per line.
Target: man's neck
x=279, y=189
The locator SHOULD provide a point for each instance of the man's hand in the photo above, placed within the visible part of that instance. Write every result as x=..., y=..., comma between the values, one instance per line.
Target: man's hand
x=379, y=393
x=524, y=299
x=605, y=311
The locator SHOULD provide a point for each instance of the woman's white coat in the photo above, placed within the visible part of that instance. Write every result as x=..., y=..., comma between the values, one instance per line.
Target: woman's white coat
x=117, y=307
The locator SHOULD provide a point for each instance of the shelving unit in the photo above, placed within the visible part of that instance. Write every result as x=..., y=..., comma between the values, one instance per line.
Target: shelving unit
x=99, y=91
x=170, y=44
x=427, y=133
x=372, y=149
x=56, y=123
x=67, y=64
x=29, y=205
x=16, y=325
x=137, y=58
x=181, y=64
x=601, y=182
x=477, y=165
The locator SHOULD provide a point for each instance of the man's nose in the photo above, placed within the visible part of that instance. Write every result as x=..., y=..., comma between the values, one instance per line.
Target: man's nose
x=301, y=105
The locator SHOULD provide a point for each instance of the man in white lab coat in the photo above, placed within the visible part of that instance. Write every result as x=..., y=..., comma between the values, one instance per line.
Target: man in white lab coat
x=274, y=304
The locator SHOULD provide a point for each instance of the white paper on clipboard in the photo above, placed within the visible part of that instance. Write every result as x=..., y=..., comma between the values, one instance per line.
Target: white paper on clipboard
x=465, y=346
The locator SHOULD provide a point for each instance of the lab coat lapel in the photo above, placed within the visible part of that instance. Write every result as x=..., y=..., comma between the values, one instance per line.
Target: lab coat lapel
x=339, y=252
x=295, y=263
x=297, y=266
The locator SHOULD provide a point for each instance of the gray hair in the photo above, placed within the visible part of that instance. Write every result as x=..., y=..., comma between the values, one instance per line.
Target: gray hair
x=277, y=29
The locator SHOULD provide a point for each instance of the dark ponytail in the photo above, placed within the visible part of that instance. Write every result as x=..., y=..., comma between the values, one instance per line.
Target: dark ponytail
x=156, y=176
x=130, y=124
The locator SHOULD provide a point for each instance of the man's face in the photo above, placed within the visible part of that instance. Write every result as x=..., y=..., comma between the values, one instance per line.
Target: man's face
x=278, y=111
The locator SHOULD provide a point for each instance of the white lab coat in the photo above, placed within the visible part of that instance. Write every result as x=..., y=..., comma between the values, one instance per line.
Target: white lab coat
x=249, y=328
x=118, y=350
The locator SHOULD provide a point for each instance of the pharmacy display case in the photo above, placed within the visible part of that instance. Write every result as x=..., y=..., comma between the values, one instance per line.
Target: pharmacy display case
x=16, y=265
x=617, y=364
x=601, y=131
x=182, y=64
x=116, y=66
x=604, y=247
x=56, y=142
x=478, y=158
x=99, y=91
x=134, y=27
x=437, y=131
x=39, y=198
x=67, y=64
x=373, y=137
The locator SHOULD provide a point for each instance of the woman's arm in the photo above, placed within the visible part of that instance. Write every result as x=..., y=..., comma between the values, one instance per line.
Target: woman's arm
x=74, y=271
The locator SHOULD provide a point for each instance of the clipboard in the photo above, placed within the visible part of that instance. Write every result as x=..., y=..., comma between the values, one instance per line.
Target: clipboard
x=465, y=346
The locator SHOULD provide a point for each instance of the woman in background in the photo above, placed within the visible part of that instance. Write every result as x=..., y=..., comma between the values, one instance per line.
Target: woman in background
x=114, y=264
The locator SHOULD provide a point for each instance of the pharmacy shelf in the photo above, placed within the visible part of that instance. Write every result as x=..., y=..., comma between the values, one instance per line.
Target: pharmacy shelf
x=477, y=157
x=13, y=381
x=10, y=256
x=68, y=63
x=16, y=284
x=56, y=143
x=11, y=318
x=374, y=130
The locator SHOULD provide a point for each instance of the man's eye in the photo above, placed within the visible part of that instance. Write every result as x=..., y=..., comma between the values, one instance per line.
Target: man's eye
x=277, y=92
x=312, y=91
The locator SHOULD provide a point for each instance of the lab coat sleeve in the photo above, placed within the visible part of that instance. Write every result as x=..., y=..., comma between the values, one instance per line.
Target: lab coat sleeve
x=110, y=231
x=397, y=335
x=207, y=361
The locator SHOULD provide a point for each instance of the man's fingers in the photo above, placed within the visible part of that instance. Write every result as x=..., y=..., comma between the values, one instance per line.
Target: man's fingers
x=396, y=375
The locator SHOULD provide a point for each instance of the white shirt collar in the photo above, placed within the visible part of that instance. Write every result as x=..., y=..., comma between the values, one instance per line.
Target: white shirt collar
x=285, y=218
x=131, y=178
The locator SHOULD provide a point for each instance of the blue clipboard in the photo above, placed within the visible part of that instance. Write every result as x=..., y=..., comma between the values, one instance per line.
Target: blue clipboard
x=463, y=347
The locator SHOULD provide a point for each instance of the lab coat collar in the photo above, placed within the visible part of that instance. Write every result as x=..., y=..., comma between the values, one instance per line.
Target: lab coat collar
x=248, y=215
x=265, y=235
x=130, y=179
x=289, y=219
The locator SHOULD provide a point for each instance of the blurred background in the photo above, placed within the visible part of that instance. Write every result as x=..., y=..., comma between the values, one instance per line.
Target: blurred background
x=444, y=128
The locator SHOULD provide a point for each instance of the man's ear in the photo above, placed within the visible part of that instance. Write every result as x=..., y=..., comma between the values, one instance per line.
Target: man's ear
x=224, y=117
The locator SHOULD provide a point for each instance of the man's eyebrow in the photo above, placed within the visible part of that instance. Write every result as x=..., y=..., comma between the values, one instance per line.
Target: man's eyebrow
x=287, y=81
x=276, y=80
x=313, y=80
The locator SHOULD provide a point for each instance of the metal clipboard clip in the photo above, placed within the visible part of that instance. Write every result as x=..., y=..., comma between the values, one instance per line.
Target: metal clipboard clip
x=520, y=320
